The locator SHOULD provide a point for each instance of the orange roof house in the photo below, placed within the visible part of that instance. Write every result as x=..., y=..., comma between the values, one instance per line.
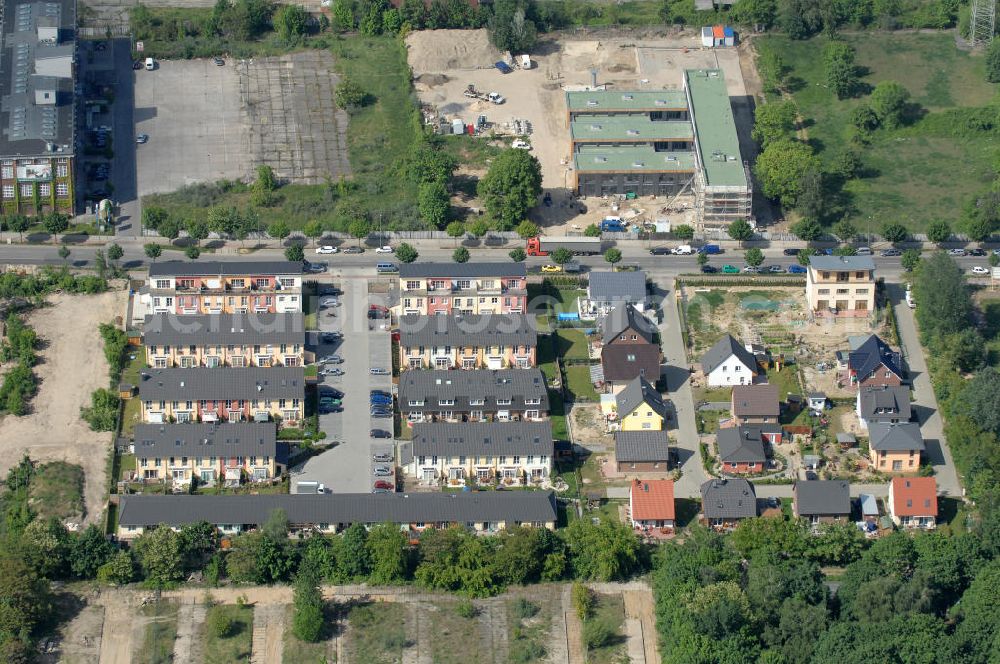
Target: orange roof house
x=913, y=502
x=651, y=503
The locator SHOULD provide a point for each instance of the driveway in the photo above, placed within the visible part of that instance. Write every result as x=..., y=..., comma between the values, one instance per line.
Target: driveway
x=924, y=402
x=347, y=467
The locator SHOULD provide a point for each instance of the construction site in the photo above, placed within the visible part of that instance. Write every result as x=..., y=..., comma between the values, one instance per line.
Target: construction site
x=634, y=128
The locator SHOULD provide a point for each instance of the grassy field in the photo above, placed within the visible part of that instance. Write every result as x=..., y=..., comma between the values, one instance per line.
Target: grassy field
x=609, y=609
x=161, y=630
x=57, y=490
x=572, y=344
x=578, y=383
x=451, y=634
x=529, y=624
x=921, y=172
x=236, y=646
x=377, y=633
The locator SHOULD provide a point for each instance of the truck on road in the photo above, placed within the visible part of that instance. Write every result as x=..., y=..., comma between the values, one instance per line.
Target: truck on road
x=579, y=246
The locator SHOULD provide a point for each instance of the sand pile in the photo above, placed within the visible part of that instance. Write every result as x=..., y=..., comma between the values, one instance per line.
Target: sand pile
x=444, y=50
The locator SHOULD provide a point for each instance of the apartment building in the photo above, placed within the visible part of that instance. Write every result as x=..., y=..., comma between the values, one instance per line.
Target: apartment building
x=37, y=107
x=225, y=394
x=430, y=289
x=473, y=396
x=488, y=341
x=841, y=285
x=225, y=340
x=479, y=511
x=487, y=452
x=216, y=287
x=208, y=453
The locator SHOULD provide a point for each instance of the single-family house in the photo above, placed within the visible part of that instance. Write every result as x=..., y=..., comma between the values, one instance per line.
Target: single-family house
x=724, y=503
x=484, y=451
x=426, y=395
x=896, y=448
x=640, y=407
x=816, y=401
x=488, y=341
x=841, y=285
x=822, y=501
x=462, y=288
x=913, y=502
x=629, y=348
x=479, y=511
x=728, y=362
x=225, y=340
x=886, y=405
x=643, y=451
x=231, y=452
x=755, y=404
x=651, y=504
x=744, y=449
x=873, y=363
x=606, y=290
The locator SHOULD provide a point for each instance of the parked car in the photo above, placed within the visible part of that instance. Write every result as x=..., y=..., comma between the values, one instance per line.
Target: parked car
x=382, y=491
x=354, y=250
x=380, y=393
x=330, y=401
x=792, y=252
x=327, y=337
x=380, y=433
x=380, y=400
x=730, y=269
x=551, y=267
x=381, y=413
x=331, y=359
x=219, y=62
x=980, y=270
x=375, y=314
x=776, y=269
x=331, y=371
x=750, y=269
x=709, y=269
x=317, y=268
x=326, y=249
x=378, y=371
x=518, y=144
x=382, y=484
x=863, y=251
x=382, y=471
x=660, y=251
x=384, y=250
x=797, y=269
x=977, y=252
x=381, y=457
x=329, y=301
x=142, y=138
x=891, y=252
x=956, y=252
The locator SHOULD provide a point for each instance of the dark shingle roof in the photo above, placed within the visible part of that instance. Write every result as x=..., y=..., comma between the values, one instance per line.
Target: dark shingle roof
x=624, y=317
x=482, y=438
x=743, y=444
x=874, y=352
x=222, y=268
x=900, y=437
x=822, y=497
x=200, y=383
x=461, y=270
x=890, y=402
x=721, y=351
x=343, y=508
x=756, y=400
x=237, y=439
x=637, y=392
x=617, y=286
x=633, y=446
x=224, y=329
x=728, y=499
x=467, y=330
x=834, y=263
x=431, y=386
x=617, y=366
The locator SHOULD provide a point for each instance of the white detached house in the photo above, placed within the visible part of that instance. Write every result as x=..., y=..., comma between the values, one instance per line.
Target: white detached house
x=729, y=363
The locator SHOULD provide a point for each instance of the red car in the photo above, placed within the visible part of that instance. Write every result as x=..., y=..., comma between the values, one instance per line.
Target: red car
x=382, y=484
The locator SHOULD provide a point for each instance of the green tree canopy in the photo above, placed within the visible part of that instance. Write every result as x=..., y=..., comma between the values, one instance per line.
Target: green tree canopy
x=753, y=257
x=433, y=203
x=939, y=231
x=807, y=230
x=406, y=253
x=888, y=101
x=773, y=122
x=780, y=168
x=511, y=187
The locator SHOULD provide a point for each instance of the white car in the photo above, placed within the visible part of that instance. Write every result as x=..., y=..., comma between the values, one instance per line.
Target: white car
x=979, y=269
x=326, y=249
x=384, y=250
x=521, y=145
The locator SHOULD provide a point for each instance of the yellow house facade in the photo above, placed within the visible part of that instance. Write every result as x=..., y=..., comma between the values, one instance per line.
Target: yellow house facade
x=224, y=340
x=640, y=407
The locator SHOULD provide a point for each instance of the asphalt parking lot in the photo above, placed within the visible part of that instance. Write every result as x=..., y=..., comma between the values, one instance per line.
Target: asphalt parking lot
x=347, y=467
x=191, y=111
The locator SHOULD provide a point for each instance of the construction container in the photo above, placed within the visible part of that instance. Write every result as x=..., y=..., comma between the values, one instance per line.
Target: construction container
x=718, y=35
x=457, y=127
x=470, y=130
x=729, y=36
x=706, y=36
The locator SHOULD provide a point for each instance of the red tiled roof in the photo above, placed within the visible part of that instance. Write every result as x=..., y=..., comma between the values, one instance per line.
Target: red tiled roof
x=914, y=496
x=652, y=499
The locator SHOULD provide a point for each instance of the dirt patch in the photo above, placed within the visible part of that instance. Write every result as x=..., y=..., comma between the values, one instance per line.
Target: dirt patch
x=71, y=366
x=437, y=50
x=80, y=639
x=588, y=426
x=431, y=80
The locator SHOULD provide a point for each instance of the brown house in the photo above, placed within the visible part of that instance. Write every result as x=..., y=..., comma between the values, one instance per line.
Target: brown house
x=755, y=404
x=629, y=349
x=822, y=501
x=874, y=364
x=642, y=451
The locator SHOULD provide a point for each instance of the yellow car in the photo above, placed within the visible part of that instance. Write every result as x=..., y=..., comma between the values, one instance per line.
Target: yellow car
x=551, y=268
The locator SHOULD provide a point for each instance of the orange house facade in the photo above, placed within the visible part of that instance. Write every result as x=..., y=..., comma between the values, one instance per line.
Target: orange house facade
x=224, y=340
x=223, y=287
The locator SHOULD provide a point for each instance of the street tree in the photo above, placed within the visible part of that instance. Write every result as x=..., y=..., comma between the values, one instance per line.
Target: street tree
x=115, y=252
x=592, y=231
x=561, y=256
x=455, y=230
x=433, y=203
x=460, y=255
x=197, y=230
x=152, y=250
x=518, y=255
x=511, y=187
x=64, y=252
x=169, y=228
x=684, y=232
x=702, y=258
x=18, y=223
x=910, y=259
x=192, y=252
x=807, y=230
x=359, y=229
x=295, y=253
x=894, y=232
x=753, y=257
x=939, y=231
x=54, y=224
x=406, y=253
x=844, y=230
x=740, y=230
x=804, y=256
x=279, y=230
x=527, y=229
x=613, y=255
x=313, y=230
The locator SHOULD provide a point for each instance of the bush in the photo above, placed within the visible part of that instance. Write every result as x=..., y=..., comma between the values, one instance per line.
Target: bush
x=220, y=624
x=597, y=633
x=102, y=413
x=525, y=609
x=466, y=609
x=115, y=342
x=583, y=601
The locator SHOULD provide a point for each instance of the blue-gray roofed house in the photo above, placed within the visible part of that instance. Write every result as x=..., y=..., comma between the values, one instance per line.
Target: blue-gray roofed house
x=841, y=286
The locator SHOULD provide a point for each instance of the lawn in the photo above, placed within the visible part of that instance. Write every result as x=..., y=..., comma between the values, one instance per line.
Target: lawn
x=136, y=362
x=161, y=630
x=451, y=633
x=786, y=380
x=547, y=357
x=377, y=633
x=56, y=490
x=610, y=610
x=572, y=344
x=557, y=415
x=303, y=651
x=921, y=172
x=236, y=646
x=578, y=383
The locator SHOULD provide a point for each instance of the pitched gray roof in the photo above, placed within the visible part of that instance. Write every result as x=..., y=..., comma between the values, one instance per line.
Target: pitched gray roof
x=756, y=400
x=743, y=444
x=219, y=440
x=721, y=351
x=871, y=354
x=200, y=383
x=900, y=437
x=222, y=268
x=461, y=270
x=431, y=386
x=224, y=329
x=342, y=508
x=637, y=392
x=468, y=330
x=617, y=286
x=624, y=317
x=882, y=403
x=822, y=497
x=632, y=446
x=834, y=263
x=482, y=439
x=728, y=499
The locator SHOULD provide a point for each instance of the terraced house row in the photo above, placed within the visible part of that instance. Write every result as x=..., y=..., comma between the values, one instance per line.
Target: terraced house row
x=215, y=287
x=462, y=288
x=225, y=340
x=487, y=341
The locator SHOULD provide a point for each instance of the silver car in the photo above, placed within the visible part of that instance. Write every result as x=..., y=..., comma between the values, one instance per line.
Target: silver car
x=379, y=371
x=381, y=471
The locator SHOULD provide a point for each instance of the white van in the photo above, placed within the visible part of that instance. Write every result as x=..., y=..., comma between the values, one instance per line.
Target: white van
x=150, y=64
x=683, y=250
x=386, y=268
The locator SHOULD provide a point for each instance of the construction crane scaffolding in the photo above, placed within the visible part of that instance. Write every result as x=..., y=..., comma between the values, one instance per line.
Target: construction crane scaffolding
x=983, y=22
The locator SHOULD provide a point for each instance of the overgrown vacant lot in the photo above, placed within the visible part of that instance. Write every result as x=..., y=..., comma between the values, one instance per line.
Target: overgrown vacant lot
x=925, y=171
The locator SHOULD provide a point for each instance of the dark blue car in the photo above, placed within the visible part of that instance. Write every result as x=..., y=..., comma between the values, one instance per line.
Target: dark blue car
x=796, y=269
x=381, y=400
